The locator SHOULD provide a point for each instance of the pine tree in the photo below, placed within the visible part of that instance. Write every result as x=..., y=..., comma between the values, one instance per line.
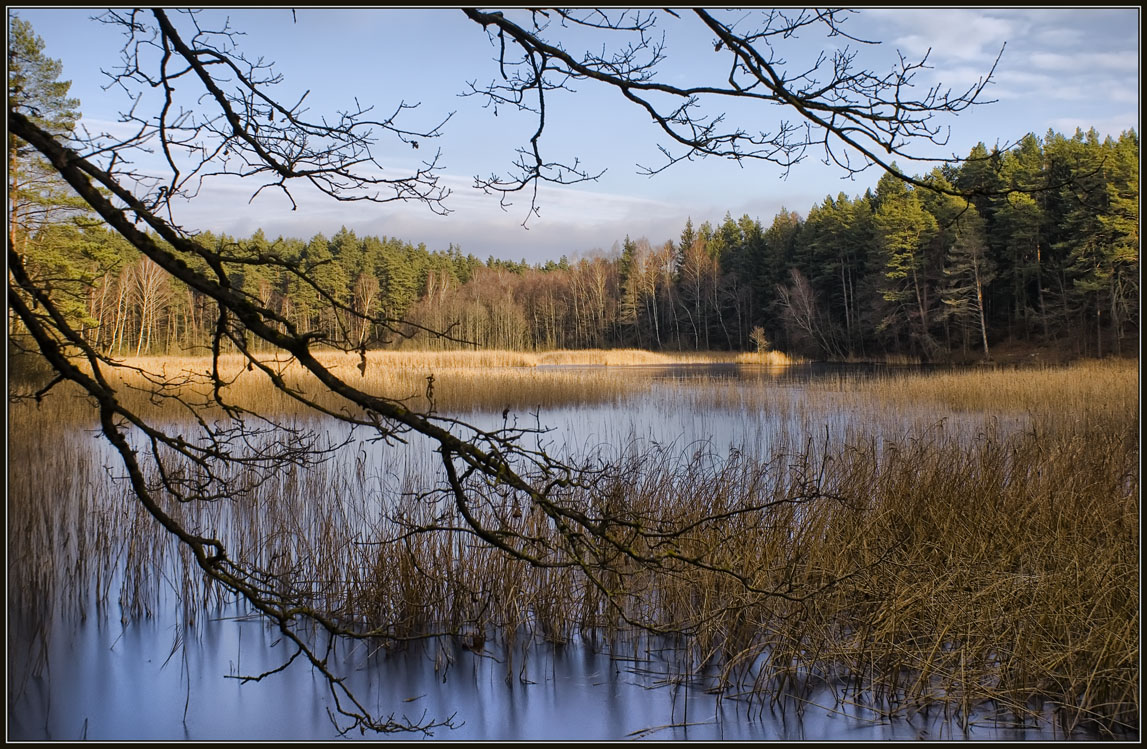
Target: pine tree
x=968, y=270
x=1120, y=222
x=905, y=228
x=36, y=194
x=629, y=272
x=1085, y=244
x=59, y=259
x=1019, y=224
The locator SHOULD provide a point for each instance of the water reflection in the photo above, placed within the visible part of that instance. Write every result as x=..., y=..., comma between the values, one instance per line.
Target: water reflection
x=132, y=682
x=790, y=374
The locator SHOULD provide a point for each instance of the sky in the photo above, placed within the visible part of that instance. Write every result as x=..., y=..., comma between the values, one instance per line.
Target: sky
x=1061, y=68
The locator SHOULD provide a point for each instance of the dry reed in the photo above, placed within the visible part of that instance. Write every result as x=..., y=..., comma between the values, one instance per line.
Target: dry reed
x=458, y=381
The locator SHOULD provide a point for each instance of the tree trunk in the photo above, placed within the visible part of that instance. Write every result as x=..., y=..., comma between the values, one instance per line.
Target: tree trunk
x=980, y=310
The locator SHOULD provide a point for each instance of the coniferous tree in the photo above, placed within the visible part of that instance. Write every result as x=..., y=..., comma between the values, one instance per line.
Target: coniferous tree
x=58, y=259
x=36, y=194
x=968, y=270
x=1120, y=222
x=905, y=228
x=1019, y=222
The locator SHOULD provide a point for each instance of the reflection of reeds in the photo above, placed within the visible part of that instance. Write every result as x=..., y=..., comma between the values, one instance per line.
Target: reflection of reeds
x=934, y=568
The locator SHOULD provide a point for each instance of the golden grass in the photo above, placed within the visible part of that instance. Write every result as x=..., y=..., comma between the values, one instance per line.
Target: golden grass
x=490, y=358
x=463, y=381
x=478, y=359
x=454, y=381
x=1010, y=569
x=1108, y=386
x=638, y=357
x=766, y=358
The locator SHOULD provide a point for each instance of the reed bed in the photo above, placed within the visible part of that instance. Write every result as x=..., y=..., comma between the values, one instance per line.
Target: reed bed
x=766, y=358
x=485, y=358
x=1082, y=388
x=455, y=381
x=638, y=357
x=996, y=570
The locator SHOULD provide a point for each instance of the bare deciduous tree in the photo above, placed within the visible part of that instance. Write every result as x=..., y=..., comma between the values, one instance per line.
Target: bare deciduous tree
x=854, y=117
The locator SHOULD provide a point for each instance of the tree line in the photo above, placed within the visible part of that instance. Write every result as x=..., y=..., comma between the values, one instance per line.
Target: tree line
x=1045, y=250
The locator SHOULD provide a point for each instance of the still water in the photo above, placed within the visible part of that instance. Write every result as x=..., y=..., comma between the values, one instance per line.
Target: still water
x=112, y=677
x=132, y=682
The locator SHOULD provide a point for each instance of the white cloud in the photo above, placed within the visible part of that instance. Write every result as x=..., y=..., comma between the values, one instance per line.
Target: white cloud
x=1031, y=86
x=962, y=77
x=1085, y=64
x=1112, y=126
x=950, y=34
x=1057, y=37
x=571, y=220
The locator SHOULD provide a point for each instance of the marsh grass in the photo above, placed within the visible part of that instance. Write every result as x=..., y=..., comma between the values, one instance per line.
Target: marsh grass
x=458, y=381
x=454, y=381
x=933, y=570
x=1084, y=388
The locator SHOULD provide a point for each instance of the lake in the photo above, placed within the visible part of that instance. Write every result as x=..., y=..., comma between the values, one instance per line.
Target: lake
x=111, y=674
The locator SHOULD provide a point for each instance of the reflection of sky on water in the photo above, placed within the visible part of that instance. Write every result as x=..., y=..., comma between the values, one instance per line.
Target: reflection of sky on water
x=109, y=681
x=756, y=410
x=150, y=680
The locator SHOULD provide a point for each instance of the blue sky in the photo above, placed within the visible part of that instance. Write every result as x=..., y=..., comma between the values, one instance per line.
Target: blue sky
x=1062, y=68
